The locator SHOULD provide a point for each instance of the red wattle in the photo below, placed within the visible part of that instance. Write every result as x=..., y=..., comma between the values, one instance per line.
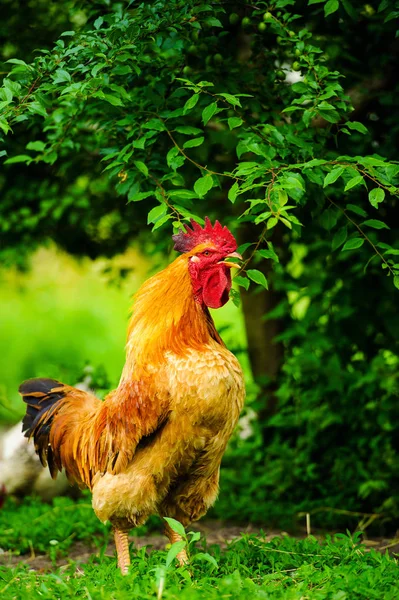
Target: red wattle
x=216, y=286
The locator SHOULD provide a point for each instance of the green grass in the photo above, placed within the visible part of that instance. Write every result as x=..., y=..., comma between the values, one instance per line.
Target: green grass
x=338, y=568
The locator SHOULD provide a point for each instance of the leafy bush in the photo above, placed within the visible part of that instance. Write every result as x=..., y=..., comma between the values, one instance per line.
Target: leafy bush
x=120, y=88
x=161, y=111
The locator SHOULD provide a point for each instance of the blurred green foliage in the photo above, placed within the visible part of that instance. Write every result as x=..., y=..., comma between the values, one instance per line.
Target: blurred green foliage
x=49, y=329
x=36, y=526
x=158, y=112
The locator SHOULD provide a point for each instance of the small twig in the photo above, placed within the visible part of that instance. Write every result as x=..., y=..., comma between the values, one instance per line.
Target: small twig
x=343, y=211
x=165, y=197
x=194, y=162
x=258, y=243
x=290, y=552
x=340, y=511
x=262, y=235
x=308, y=530
x=395, y=542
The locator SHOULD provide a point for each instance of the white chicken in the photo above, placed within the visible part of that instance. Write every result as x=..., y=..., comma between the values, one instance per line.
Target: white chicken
x=21, y=472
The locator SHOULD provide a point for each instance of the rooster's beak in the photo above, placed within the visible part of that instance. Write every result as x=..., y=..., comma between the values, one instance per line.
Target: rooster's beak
x=232, y=265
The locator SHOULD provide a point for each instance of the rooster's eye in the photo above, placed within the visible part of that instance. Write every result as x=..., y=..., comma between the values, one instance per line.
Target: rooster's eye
x=206, y=253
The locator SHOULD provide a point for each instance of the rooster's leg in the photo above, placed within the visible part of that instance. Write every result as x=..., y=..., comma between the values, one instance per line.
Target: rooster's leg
x=175, y=537
x=122, y=550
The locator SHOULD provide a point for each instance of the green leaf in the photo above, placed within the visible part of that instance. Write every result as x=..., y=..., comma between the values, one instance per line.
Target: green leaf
x=329, y=218
x=38, y=146
x=262, y=217
x=233, y=191
x=242, y=281
x=353, y=243
x=134, y=196
x=258, y=277
x=154, y=124
x=98, y=22
x=161, y=222
x=194, y=143
x=37, y=109
x=173, y=152
x=7, y=95
x=61, y=75
x=18, y=159
x=350, y=10
x=203, y=185
x=187, y=130
x=356, y=126
x=174, y=551
x=375, y=224
x=114, y=100
x=376, y=196
x=97, y=68
x=208, y=112
x=332, y=116
x=292, y=181
x=191, y=102
x=315, y=162
x=330, y=7
x=140, y=143
x=396, y=281
x=141, y=167
x=333, y=175
x=339, y=237
x=17, y=61
x=13, y=86
x=174, y=158
x=353, y=182
x=234, y=122
x=184, y=194
x=372, y=161
x=271, y=222
x=213, y=22
x=282, y=197
x=270, y=254
x=231, y=99
x=244, y=247
x=189, y=215
x=356, y=209
x=156, y=213
x=286, y=222
x=50, y=157
x=207, y=557
x=176, y=526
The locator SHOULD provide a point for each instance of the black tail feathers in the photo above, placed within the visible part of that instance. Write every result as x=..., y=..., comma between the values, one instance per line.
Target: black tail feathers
x=42, y=397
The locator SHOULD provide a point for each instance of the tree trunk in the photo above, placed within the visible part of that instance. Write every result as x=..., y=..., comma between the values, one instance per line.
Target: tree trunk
x=265, y=354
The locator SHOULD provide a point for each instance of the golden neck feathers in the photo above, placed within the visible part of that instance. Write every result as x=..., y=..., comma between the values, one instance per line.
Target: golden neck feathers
x=166, y=317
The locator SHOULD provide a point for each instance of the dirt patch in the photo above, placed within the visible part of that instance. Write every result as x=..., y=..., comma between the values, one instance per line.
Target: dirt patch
x=215, y=532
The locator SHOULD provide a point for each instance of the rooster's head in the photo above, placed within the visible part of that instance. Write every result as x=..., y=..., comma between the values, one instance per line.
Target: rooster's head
x=208, y=249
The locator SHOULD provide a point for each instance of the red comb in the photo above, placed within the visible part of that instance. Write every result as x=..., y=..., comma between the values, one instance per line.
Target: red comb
x=220, y=236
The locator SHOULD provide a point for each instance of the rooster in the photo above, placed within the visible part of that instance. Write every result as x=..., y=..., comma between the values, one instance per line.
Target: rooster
x=155, y=444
